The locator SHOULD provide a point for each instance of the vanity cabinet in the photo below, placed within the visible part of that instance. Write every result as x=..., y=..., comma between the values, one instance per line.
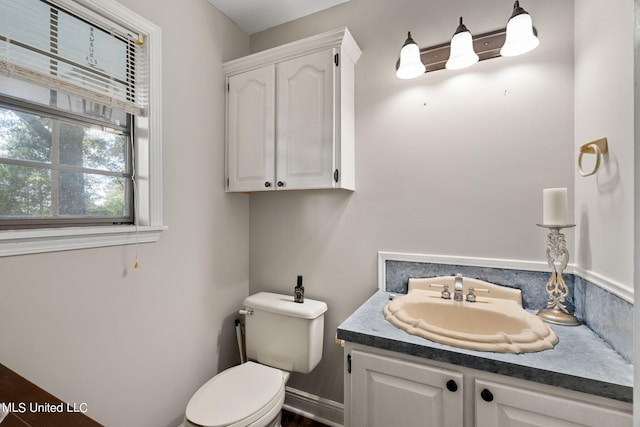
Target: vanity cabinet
x=290, y=116
x=384, y=388
x=501, y=405
x=389, y=393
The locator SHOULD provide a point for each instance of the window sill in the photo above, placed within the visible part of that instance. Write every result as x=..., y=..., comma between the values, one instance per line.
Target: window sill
x=22, y=242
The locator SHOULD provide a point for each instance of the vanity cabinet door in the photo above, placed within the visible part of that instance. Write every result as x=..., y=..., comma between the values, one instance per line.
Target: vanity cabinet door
x=251, y=130
x=500, y=405
x=390, y=392
x=305, y=106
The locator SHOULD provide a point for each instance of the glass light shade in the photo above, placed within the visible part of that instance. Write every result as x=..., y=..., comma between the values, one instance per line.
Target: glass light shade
x=462, y=54
x=520, y=37
x=411, y=65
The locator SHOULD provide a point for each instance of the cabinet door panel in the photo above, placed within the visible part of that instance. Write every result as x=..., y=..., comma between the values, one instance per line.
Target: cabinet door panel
x=250, y=130
x=387, y=392
x=518, y=407
x=305, y=140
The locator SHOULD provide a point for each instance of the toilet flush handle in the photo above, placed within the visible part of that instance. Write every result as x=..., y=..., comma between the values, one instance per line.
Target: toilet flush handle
x=247, y=312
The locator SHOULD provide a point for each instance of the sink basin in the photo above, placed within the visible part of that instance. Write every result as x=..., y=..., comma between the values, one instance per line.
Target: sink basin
x=495, y=322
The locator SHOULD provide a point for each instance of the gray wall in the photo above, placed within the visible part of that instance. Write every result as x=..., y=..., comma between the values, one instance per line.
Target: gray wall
x=451, y=163
x=604, y=107
x=136, y=344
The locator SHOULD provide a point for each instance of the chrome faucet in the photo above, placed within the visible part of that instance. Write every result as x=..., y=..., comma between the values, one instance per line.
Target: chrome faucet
x=457, y=288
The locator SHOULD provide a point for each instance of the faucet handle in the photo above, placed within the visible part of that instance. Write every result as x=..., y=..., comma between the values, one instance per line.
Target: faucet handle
x=471, y=296
x=445, y=290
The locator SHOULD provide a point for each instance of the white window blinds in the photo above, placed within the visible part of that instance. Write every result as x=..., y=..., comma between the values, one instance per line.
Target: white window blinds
x=48, y=45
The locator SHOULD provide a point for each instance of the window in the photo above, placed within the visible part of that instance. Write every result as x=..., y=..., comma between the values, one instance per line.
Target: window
x=80, y=135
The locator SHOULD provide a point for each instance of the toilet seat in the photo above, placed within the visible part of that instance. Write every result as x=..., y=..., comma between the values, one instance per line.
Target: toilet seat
x=237, y=396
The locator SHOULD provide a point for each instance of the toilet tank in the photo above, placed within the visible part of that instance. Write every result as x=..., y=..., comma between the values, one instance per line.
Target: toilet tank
x=282, y=333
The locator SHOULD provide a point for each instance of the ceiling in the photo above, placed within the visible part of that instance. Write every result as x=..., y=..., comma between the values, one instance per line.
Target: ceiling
x=254, y=16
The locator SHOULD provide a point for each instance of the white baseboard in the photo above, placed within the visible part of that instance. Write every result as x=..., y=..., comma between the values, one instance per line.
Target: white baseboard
x=314, y=407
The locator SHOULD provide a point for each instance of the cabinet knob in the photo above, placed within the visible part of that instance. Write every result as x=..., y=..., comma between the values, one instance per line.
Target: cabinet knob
x=452, y=386
x=280, y=184
x=267, y=184
x=486, y=395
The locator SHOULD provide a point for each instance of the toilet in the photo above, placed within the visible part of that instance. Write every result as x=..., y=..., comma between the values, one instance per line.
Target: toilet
x=282, y=336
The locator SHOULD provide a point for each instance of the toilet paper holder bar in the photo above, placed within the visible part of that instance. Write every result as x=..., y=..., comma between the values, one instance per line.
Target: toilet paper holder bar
x=597, y=147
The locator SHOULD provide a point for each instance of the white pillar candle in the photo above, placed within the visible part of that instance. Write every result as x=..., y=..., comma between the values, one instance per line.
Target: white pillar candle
x=555, y=206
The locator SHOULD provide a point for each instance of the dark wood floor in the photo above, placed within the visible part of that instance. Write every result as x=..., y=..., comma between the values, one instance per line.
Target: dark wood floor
x=16, y=390
x=290, y=419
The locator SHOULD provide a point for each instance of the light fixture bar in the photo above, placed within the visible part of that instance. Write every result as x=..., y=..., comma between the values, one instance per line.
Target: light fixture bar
x=486, y=45
x=520, y=36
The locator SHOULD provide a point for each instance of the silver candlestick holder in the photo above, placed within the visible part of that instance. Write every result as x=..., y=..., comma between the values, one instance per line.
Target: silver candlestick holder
x=557, y=258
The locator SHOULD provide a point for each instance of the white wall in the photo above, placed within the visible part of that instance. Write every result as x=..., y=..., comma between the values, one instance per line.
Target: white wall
x=136, y=344
x=604, y=107
x=451, y=163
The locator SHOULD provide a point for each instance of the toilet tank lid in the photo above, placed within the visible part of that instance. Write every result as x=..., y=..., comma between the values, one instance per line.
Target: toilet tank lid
x=284, y=304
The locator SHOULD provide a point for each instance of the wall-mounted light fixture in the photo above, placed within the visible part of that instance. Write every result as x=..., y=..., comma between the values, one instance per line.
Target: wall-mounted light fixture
x=461, y=53
x=410, y=64
x=465, y=50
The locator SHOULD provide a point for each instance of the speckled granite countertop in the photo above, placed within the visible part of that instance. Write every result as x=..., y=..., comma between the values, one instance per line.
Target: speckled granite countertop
x=581, y=360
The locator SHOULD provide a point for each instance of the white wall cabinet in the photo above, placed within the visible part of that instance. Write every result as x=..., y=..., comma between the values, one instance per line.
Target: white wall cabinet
x=384, y=388
x=251, y=129
x=290, y=116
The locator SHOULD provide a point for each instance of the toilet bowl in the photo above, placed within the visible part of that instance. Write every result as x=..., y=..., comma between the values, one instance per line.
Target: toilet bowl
x=282, y=336
x=245, y=395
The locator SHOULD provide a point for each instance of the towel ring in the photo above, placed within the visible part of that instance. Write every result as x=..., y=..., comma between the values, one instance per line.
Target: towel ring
x=597, y=147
